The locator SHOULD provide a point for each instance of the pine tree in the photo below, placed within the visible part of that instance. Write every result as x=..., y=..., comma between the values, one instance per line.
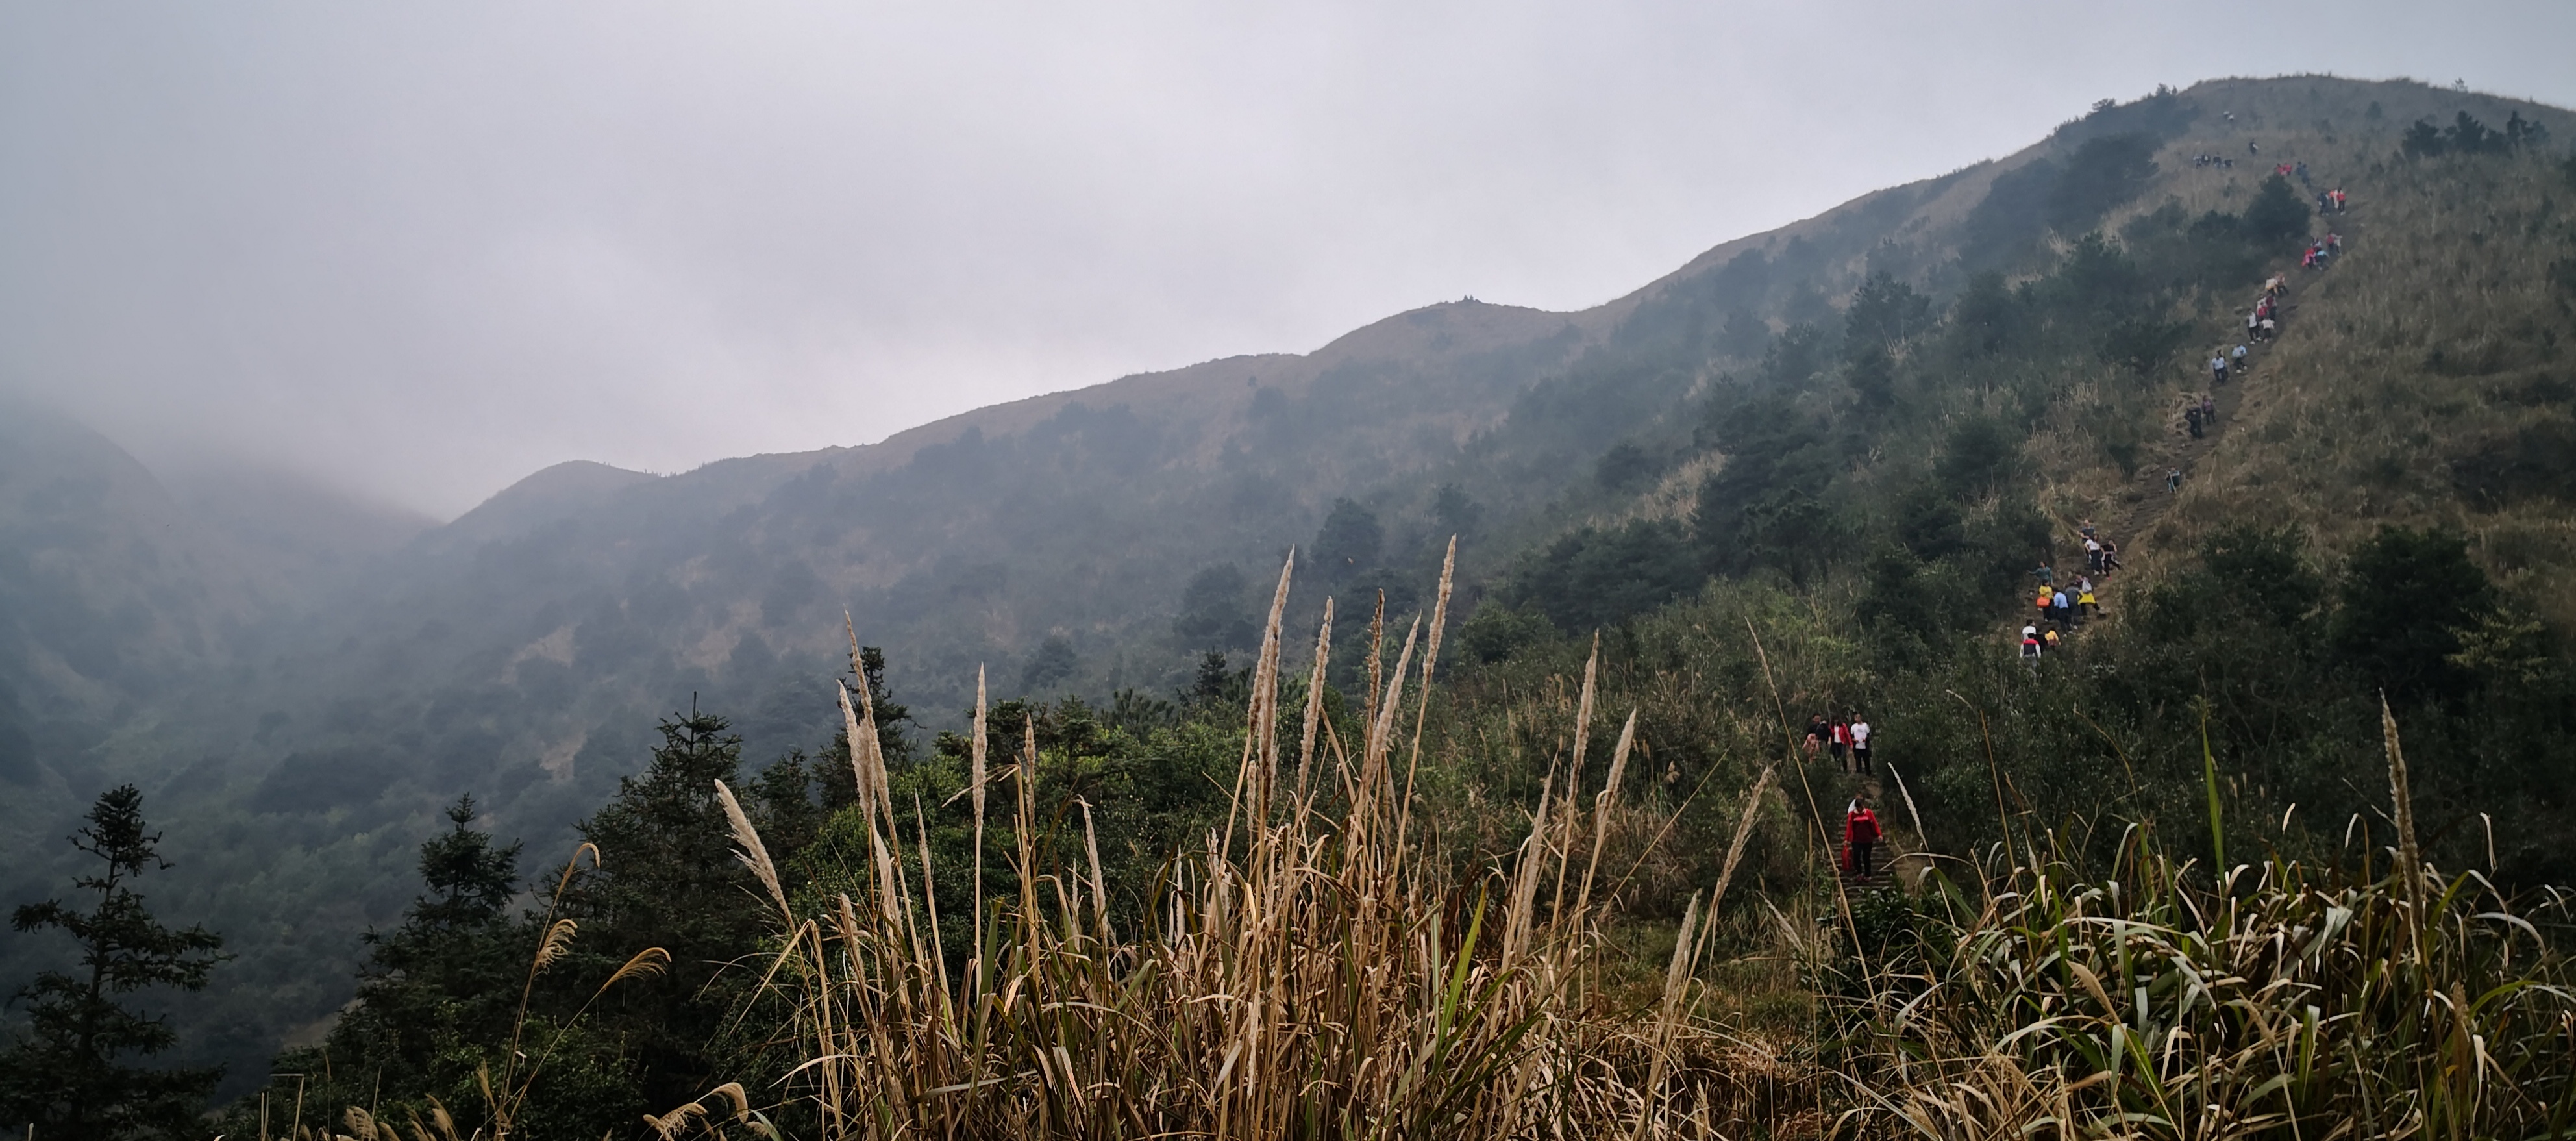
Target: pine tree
x=2276, y=214
x=74, y=1074
x=668, y=878
x=438, y=994
x=438, y=1014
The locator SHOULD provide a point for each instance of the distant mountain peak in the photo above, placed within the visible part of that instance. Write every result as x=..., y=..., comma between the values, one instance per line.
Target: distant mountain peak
x=552, y=493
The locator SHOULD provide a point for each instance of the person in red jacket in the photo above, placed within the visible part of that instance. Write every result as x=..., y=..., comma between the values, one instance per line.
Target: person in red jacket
x=1860, y=830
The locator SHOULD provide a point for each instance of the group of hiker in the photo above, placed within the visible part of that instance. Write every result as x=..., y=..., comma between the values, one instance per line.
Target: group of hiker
x=2199, y=414
x=2330, y=201
x=2263, y=322
x=1845, y=735
x=2064, y=608
x=2321, y=250
x=2213, y=160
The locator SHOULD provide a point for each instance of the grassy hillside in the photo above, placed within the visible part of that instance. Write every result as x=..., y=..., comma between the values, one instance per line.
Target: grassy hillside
x=1858, y=434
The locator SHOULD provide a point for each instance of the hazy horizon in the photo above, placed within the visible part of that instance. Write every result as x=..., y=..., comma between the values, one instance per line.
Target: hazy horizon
x=419, y=255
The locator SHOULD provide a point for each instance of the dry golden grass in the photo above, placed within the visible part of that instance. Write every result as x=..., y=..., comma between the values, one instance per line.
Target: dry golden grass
x=1316, y=969
x=1308, y=972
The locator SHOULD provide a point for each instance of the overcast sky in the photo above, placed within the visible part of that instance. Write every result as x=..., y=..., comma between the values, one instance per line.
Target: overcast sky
x=424, y=249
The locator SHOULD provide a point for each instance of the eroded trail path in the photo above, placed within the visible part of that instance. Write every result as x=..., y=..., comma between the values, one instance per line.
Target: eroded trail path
x=2144, y=500
x=2135, y=509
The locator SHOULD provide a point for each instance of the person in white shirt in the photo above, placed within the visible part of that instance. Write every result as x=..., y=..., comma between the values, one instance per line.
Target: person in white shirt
x=1860, y=744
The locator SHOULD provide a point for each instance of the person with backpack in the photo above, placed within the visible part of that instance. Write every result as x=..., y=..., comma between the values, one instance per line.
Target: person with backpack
x=2030, y=643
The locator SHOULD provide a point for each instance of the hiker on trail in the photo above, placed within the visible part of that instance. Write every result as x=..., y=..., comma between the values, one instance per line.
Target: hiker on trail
x=2208, y=408
x=2236, y=358
x=2042, y=573
x=1860, y=744
x=2338, y=198
x=2173, y=481
x=2085, y=607
x=1842, y=741
x=2191, y=416
x=2047, y=598
x=2271, y=329
x=2110, y=556
x=2334, y=242
x=2251, y=149
x=2030, y=643
x=1815, y=733
x=2325, y=202
x=2303, y=174
x=1860, y=830
x=2051, y=642
x=2217, y=368
x=2062, y=609
x=2253, y=328
x=2092, y=553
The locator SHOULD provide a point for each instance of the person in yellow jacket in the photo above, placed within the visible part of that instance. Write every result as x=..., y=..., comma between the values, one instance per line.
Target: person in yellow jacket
x=2085, y=607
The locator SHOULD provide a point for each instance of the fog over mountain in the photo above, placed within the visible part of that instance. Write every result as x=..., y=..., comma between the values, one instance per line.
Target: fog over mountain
x=396, y=405
x=420, y=254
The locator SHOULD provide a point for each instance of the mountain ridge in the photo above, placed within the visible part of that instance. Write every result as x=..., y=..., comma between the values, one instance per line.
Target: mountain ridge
x=520, y=651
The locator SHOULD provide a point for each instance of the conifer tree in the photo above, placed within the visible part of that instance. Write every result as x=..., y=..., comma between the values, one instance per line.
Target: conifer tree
x=668, y=878
x=75, y=1074
x=438, y=993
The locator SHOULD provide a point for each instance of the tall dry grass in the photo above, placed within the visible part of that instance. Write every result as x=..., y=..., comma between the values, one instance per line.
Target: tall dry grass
x=1305, y=973
x=1310, y=971
x=1314, y=968
x=2276, y=999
